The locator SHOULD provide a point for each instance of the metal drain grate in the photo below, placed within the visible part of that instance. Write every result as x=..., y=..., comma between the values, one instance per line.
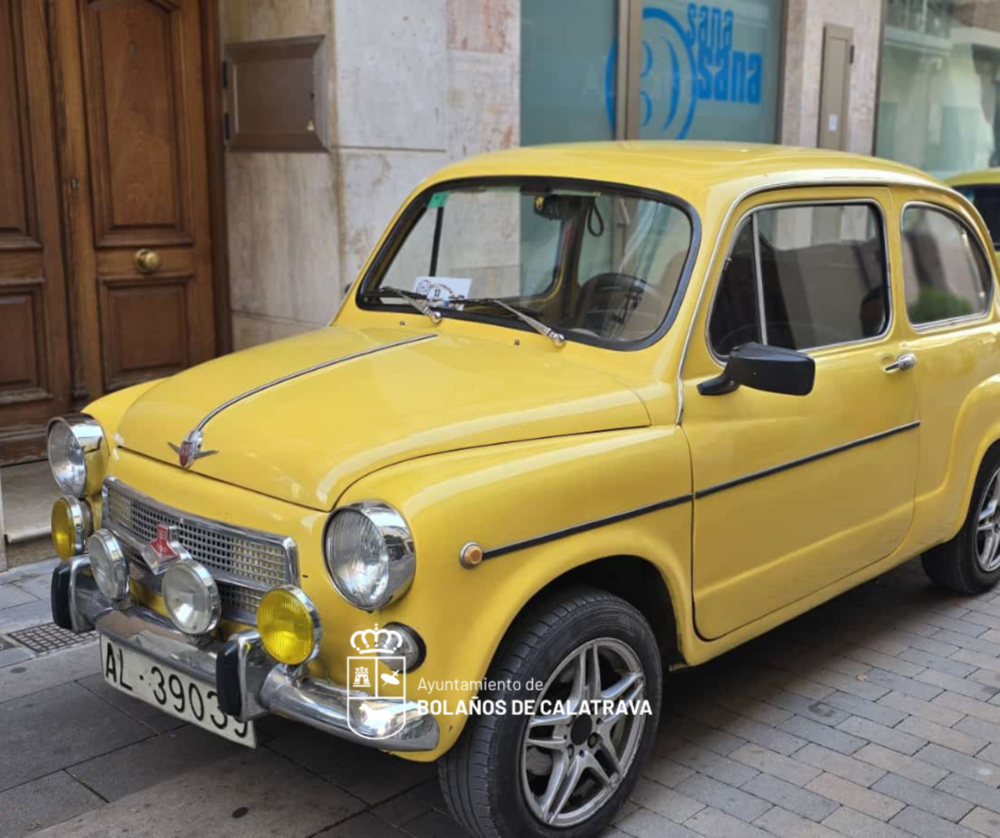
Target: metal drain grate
x=46, y=638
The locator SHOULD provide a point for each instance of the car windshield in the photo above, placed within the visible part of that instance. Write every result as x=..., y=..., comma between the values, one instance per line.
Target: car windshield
x=600, y=265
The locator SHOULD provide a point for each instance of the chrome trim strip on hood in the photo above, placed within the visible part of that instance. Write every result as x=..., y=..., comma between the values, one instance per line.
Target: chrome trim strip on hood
x=190, y=449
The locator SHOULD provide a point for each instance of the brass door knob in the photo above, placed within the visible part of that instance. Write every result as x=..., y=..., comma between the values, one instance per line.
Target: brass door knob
x=147, y=261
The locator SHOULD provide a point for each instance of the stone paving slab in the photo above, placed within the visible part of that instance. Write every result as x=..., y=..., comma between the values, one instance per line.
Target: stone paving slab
x=48, y=671
x=11, y=595
x=154, y=718
x=368, y=775
x=39, y=586
x=43, y=802
x=27, y=614
x=250, y=795
x=46, y=731
x=148, y=762
x=35, y=570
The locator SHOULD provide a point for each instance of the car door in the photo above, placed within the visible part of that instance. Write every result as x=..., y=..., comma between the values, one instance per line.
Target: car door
x=949, y=306
x=793, y=493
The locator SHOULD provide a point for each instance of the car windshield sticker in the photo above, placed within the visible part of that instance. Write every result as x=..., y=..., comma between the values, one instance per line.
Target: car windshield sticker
x=442, y=289
x=438, y=200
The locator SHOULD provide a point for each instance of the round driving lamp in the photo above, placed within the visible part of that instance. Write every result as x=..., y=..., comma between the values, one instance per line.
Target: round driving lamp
x=369, y=554
x=71, y=440
x=191, y=597
x=289, y=626
x=108, y=565
x=72, y=523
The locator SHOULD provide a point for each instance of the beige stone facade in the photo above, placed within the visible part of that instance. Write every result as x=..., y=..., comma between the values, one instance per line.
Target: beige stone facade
x=412, y=85
x=804, y=22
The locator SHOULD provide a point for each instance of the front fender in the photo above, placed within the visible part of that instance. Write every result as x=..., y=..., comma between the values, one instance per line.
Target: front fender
x=108, y=411
x=502, y=495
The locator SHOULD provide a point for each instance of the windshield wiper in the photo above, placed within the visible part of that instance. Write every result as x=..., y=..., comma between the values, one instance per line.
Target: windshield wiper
x=556, y=337
x=418, y=301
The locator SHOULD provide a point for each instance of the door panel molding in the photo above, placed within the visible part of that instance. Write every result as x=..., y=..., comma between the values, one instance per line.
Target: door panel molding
x=24, y=375
x=803, y=461
x=34, y=337
x=157, y=307
x=18, y=210
x=138, y=155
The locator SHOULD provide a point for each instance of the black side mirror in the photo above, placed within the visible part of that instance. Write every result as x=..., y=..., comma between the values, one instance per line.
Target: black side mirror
x=772, y=369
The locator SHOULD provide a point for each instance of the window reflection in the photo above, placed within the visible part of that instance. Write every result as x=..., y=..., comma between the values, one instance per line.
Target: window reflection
x=939, y=90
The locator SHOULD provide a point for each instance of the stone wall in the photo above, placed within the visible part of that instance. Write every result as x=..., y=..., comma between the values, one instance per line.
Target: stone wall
x=411, y=86
x=804, y=24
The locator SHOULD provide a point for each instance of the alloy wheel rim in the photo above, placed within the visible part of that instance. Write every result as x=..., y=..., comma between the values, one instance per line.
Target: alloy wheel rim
x=572, y=763
x=988, y=527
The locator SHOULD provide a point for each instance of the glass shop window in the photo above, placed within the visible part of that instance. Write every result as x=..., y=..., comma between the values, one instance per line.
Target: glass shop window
x=822, y=280
x=939, y=93
x=945, y=272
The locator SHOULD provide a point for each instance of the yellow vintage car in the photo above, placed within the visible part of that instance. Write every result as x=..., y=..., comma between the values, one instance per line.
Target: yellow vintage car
x=590, y=413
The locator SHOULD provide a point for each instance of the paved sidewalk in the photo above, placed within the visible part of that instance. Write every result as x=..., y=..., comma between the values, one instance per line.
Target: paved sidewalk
x=876, y=716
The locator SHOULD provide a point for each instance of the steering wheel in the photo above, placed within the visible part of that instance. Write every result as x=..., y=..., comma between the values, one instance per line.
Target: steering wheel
x=611, y=295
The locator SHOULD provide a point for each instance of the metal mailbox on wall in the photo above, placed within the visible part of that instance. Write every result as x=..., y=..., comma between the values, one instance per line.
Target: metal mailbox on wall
x=276, y=95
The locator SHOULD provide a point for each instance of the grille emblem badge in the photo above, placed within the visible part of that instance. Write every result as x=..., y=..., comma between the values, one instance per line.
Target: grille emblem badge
x=190, y=449
x=163, y=550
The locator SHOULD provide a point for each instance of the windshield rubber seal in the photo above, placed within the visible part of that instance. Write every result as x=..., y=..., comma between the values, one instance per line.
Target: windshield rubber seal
x=415, y=210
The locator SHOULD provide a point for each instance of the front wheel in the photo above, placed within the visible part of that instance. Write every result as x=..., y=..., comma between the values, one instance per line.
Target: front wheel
x=566, y=767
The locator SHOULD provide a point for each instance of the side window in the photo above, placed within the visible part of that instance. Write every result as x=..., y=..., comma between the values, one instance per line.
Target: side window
x=945, y=273
x=735, y=317
x=823, y=272
x=823, y=279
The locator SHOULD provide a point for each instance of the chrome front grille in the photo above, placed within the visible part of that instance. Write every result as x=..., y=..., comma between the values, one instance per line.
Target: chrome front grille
x=245, y=563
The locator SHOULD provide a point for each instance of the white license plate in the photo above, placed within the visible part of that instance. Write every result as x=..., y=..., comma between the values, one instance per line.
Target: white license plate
x=171, y=691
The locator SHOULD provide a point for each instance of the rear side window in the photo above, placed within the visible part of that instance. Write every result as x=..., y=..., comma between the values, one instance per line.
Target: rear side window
x=945, y=272
x=820, y=276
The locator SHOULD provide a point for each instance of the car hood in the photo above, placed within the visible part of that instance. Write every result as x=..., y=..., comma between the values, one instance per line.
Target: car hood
x=353, y=401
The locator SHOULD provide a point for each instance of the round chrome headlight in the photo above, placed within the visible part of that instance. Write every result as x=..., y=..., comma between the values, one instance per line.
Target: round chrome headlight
x=191, y=597
x=369, y=553
x=108, y=565
x=71, y=440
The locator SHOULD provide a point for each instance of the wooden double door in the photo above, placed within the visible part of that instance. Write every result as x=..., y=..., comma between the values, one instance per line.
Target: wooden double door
x=106, y=219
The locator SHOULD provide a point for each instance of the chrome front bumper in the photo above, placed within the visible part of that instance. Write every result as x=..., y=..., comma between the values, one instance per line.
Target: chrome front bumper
x=249, y=682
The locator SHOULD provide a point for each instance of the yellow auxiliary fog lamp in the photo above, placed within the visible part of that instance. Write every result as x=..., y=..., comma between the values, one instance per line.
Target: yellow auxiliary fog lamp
x=289, y=626
x=72, y=525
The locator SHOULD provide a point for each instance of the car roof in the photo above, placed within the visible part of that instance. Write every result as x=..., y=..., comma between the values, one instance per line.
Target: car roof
x=698, y=172
x=974, y=178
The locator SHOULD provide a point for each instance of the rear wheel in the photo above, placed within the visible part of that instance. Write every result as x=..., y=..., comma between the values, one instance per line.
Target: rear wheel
x=565, y=768
x=970, y=562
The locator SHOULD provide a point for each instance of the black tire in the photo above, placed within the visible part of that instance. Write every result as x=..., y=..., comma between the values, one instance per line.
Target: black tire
x=954, y=565
x=481, y=776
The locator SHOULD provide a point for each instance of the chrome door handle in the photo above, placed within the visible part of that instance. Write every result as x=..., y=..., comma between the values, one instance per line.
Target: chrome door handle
x=906, y=361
